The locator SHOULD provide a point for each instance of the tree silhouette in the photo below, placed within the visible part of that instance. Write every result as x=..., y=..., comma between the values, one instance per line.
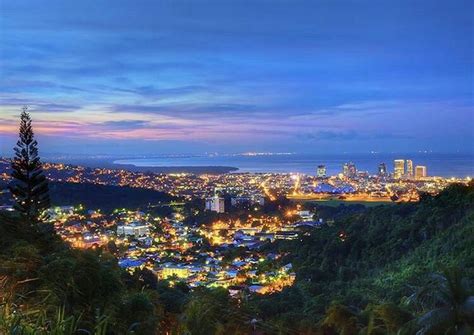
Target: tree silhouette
x=30, y=187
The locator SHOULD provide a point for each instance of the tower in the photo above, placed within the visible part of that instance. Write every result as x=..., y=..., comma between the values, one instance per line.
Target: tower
x=345, y=169
x=420, y=172
x=382, y=170
x=409, y=172
x=349, y=170
x=352, y=170
x=321, y=171
x=399, y=168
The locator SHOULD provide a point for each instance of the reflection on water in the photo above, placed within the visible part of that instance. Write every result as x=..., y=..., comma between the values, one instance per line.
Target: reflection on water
x=446, y=165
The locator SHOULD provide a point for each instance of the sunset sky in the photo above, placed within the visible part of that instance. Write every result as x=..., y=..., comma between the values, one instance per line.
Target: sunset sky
x=151, y=77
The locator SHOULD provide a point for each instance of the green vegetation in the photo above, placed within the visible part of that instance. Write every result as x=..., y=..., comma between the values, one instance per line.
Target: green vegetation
x=384, y=270
x=105, y=197
x=30, y=189
x=380, y=257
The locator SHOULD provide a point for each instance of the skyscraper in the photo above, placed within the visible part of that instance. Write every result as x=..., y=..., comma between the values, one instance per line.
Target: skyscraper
x=409, y=172
x=399, y=168
x=345, y=169
x=349, y=170
x=382, y=169
x=321, y=172
x=352, y=169
x=420, y=172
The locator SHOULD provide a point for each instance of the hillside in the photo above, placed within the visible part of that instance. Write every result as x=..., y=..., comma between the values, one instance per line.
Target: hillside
x=363, y=274
x=379, y=255
x=96, y=196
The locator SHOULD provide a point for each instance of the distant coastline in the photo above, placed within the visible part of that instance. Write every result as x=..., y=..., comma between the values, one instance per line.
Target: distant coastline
x=443, y=165
x=111, y=163
x=176, y=169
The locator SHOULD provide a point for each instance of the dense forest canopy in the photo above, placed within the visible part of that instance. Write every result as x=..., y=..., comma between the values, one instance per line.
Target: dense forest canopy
x=104, y=197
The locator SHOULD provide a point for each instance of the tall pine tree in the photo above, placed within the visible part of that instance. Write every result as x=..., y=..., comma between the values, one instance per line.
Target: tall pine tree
x=30, y=186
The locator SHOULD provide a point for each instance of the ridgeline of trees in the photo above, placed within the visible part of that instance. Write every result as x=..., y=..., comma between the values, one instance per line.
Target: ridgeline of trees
x=385, y=257
x=105, y=197
x=404, y=269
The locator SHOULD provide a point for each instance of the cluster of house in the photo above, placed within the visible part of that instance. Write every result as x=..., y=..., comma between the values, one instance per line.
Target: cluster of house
x=179, y=253
x=211, y=271
x=256, y=231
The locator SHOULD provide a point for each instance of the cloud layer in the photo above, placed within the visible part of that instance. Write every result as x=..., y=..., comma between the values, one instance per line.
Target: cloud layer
x=214, y=75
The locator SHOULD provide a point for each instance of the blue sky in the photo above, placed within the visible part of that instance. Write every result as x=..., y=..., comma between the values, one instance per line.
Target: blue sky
x=151, y=77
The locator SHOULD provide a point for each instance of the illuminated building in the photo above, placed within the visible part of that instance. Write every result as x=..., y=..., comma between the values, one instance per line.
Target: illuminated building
x=420, y=172
x=305, y=215
x=172, y=270
x=131, y=264
x=399, y=168
x=86, y=241
x=409, y=172
x=321, y=171
x=345, y=169
x=215, y=204
x=134, y=229
x=349, y=170
x=382, y=169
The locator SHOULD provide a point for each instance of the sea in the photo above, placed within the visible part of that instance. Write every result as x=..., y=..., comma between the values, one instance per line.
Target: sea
x=444, y=165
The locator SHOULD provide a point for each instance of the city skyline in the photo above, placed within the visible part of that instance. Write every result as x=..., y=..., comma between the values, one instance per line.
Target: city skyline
x=313, y=77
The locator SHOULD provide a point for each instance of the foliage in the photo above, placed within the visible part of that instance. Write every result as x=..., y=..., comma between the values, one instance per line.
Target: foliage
x=448, y=302
x=30, y=189
x=105, y=197
x=386, y=253
x=213, y=312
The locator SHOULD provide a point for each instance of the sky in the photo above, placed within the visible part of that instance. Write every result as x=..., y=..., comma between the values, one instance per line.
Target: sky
x=158, y=77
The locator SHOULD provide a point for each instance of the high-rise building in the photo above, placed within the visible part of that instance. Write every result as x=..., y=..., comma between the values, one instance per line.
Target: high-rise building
x=321, y=171
x=399, y=168
x=345, y=169
x=382, y=169
x=349, y=169
x=352, y=169
x=420, y=172
x=409, y=172
x=215, y=204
